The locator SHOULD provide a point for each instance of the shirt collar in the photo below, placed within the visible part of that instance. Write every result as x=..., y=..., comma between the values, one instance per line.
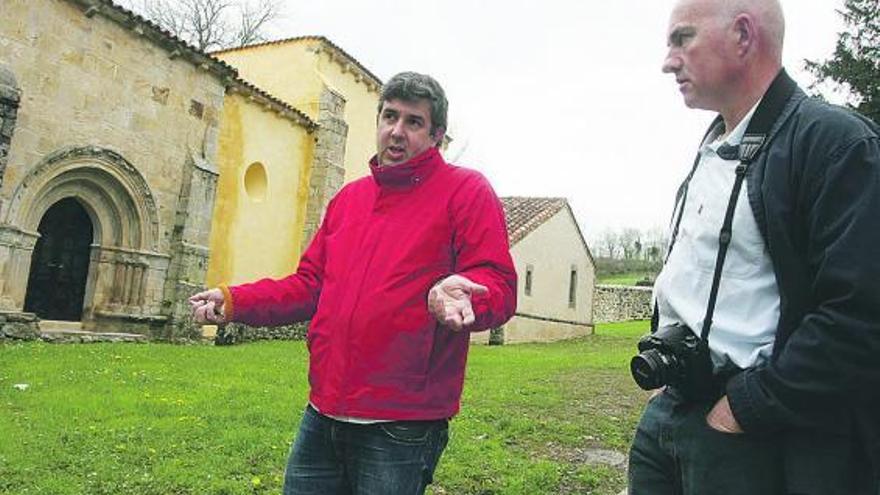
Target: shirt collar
x=409, y=173
x=712, y=142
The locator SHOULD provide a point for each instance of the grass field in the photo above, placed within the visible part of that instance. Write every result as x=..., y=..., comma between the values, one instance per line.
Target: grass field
x=198, y=419
x=628, y=279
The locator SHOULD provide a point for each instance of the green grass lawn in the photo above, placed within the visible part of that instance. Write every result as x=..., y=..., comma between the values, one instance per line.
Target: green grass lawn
x=628, y=279
x=198, y=419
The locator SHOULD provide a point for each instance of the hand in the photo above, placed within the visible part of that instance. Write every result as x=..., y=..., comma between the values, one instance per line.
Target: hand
x=449, y=301
x=207, y=306
x=656, y=392
x=720, y=418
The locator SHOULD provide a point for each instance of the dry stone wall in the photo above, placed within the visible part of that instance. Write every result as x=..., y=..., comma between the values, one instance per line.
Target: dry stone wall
x=621, y=303
x=18, y=326
x=236, y=333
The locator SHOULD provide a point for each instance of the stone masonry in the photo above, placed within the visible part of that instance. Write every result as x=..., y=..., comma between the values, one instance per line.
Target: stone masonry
x=328, y=170
x=189, y=252
x=621, y=303
x=18, y=326
x=237, y=333
x=107, y=109
x=10, y=96
x=102, y=107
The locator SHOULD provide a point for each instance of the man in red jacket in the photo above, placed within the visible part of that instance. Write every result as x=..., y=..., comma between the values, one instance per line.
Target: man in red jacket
x=406, y=263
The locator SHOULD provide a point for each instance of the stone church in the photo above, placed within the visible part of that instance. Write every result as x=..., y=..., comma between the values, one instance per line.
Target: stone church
x=114, y=136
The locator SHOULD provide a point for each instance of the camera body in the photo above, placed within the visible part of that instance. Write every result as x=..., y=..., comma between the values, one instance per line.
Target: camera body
x=675, y=356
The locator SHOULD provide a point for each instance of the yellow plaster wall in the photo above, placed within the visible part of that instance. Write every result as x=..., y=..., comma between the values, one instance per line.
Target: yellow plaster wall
x=285, y=70
x=253, y=238
x=297, y=72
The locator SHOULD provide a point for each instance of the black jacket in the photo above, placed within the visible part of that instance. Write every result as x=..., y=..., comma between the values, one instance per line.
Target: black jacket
x=815, y=193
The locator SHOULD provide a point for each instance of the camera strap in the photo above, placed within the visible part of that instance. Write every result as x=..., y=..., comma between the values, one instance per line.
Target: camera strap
x=754, y=139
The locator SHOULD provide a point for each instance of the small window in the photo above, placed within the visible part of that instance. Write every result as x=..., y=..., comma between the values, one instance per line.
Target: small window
x=256, y=182
x=528, y=284
x=572, y=287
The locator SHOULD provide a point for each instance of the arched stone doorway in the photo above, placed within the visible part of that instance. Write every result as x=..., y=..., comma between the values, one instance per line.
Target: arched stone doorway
x=91, y=212
x=60, y=263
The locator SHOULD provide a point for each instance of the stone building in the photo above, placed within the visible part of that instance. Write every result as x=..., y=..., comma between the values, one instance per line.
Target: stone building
x=556, y=273
x=113, y=138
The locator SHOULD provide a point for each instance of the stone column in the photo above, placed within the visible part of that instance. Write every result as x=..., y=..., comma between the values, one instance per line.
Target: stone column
x=328, y=164
x=189, y=247
x=10, y=96
x=16, y=246
x=16, y=250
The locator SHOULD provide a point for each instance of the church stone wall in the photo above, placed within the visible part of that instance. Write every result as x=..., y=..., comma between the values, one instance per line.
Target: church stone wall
x=10, y=97
x=87, y=81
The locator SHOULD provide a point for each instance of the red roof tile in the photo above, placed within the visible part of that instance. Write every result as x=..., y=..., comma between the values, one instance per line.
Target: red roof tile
x=525, y=214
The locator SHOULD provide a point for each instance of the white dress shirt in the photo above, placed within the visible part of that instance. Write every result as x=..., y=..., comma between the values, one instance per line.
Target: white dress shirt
x=747, y=308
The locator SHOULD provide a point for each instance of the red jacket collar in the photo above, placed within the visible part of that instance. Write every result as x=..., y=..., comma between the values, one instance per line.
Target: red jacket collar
x=408, y=173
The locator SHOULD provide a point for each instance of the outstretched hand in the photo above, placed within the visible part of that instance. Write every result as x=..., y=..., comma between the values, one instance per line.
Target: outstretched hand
x=449, y=301
x=207, y=306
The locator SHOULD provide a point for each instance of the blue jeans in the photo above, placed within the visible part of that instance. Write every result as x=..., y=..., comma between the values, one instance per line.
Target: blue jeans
x=332, y=457
x=675, y=452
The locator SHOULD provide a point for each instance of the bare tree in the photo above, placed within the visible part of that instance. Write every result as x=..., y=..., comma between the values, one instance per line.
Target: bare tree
x=608, y=240
x=630, y=242
x=212, y=24
x=254, y=19
x=656, y=240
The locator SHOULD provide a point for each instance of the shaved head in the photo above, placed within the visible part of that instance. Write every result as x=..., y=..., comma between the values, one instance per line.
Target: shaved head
x=768, y=16
x=725, y=53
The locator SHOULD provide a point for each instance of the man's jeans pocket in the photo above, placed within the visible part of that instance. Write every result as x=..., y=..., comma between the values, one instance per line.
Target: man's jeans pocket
x=411, y=432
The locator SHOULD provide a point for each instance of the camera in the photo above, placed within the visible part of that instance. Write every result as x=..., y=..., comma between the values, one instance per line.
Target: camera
x=675, y=356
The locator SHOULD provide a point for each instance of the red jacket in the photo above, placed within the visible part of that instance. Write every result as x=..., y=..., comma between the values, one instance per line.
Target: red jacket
x=385, y=240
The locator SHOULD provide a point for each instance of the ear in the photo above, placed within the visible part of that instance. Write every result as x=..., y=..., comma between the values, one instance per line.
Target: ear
x=746, y=33
x=437, y=136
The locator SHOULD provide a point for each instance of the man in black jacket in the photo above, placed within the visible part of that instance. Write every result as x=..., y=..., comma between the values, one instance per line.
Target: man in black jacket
x=794, y=337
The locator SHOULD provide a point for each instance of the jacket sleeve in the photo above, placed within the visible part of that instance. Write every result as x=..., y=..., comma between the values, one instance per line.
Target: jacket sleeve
x=831, y=357
x=482, y=253
x=294, y=298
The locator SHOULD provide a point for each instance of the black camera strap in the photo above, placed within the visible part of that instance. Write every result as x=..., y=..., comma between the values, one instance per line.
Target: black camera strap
x=754, y=139
x=725, y=235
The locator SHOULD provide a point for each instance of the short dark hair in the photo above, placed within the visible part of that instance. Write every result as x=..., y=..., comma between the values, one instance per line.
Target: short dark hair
x=412, y=86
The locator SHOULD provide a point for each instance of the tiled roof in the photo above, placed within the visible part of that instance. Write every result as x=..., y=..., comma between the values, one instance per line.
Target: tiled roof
x=280, y=106
x=525, y=214
x=366, y=72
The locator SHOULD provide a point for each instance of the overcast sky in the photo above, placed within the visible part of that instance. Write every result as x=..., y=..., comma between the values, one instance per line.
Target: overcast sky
x=557, y=97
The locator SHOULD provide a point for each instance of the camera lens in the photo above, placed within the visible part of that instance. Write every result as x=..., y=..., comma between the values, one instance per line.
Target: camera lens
x=649, y=369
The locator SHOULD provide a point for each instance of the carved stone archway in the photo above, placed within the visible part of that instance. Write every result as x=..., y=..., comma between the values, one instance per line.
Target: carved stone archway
x=126, y=269
x=121, y=202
